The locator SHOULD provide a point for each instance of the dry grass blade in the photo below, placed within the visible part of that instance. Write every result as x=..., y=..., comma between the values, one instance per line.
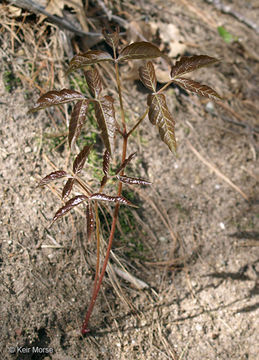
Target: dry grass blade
x=90, y=221
x=137, y=283
x=217, y=171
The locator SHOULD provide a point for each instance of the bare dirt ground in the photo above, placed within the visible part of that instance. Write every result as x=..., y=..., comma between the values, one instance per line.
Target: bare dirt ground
x=194, y=239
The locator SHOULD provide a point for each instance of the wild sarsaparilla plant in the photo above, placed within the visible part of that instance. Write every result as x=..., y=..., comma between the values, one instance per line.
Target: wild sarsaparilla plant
x=111, y=122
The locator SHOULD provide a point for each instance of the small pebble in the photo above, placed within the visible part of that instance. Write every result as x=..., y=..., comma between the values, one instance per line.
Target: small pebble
x=198, y=327
x=222, y=225
x=210, y=107
x=27, y=149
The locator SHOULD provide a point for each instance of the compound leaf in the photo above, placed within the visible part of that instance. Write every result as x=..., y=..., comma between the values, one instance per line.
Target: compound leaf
x=190, y=63
x=125, y=163
x=52, y=98
x=104, y=197
x=197, y=88
x=77, y=121
x=52, y=176
x=67, y=188
x=159, y=115
x=105, y=115
x=94, y=82
x=131, y=180
x=147, y=76
x=140, y=50
x=89, y=58
x=68, y=206
x=81, y=158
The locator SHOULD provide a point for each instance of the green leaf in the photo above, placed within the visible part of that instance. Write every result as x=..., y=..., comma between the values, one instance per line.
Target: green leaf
x=226, y=36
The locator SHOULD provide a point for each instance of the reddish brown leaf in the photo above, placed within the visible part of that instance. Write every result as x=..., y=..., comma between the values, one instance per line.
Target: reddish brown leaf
x=190, y=63
x=105, y=115
x=131, y=180
x=197, y=88
x=148, y=76
x=77, y=121
x=54, y=97
x=90, y=221
x=140, y=50
x=106, y=162
x=67, y=188
x=104, y=197
x=125, y=163
x=68, y=206
x=94, y=82
x=104, y=180
x=159, y=115
x=89, y=58
x=52, y=176
x=112, y=39
x=81, y=158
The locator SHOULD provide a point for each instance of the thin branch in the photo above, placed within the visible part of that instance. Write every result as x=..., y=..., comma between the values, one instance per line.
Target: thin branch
x=62, y=22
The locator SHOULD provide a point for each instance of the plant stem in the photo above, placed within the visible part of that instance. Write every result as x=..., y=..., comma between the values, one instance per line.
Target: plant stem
x=165, y=86
x=97, y=268
x=98, y=283
x=120, y=97
x=97, y=286
x=137, y=123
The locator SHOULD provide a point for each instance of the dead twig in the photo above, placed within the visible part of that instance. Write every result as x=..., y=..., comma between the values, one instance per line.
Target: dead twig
x=61, y=22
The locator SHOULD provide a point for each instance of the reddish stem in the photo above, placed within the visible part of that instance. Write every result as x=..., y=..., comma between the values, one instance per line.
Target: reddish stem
x=97, y=286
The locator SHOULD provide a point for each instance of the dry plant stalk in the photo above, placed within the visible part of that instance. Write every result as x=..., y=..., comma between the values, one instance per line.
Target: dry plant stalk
x=158, y=114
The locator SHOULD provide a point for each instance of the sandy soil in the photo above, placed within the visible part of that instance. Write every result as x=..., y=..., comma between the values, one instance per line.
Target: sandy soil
x=194, y=239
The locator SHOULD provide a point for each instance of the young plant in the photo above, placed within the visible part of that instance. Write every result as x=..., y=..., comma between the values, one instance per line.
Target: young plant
x=110, y=126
